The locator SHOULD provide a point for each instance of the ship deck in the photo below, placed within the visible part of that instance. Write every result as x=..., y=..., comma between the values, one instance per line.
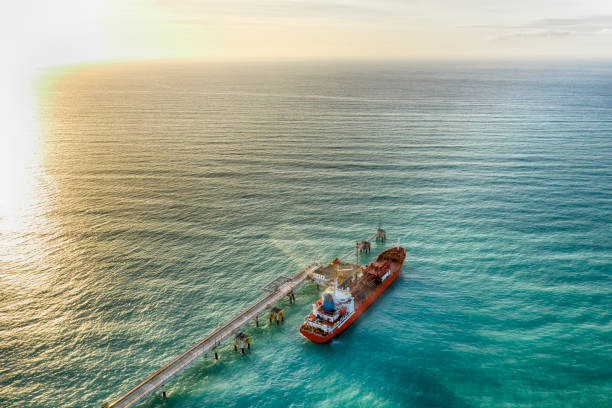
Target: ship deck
x=363, y=289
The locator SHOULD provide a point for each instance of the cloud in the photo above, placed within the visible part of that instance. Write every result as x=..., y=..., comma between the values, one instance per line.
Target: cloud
x=196, y=11
x=589, y=22
x=552, y=27
x=536, y=33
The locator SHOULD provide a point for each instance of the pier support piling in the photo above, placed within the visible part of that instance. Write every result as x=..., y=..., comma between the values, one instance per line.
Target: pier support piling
x=242, y=340
x=277, y=314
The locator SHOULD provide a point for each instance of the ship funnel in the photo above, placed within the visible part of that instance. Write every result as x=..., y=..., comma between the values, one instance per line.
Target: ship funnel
x=328, y=302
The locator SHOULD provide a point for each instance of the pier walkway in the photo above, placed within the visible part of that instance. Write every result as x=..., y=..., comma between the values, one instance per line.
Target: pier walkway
x=213, y=340
x=166, y=373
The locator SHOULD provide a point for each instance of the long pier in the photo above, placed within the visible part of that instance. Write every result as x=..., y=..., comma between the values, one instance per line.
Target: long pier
x=213, y=340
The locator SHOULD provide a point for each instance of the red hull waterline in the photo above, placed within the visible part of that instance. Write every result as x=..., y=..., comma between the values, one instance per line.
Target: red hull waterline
x=324, y=339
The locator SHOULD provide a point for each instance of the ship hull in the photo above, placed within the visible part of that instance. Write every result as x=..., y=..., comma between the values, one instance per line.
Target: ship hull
x=324, y=339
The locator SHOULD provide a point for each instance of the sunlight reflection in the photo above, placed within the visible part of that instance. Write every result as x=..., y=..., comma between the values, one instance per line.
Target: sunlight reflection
x=24, y=188
x=20, y=154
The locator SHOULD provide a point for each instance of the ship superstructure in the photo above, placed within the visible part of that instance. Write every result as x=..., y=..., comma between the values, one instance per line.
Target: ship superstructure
x=348, y=296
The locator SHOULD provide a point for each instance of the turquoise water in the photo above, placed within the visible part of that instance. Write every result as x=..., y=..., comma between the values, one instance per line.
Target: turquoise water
x=163, y=196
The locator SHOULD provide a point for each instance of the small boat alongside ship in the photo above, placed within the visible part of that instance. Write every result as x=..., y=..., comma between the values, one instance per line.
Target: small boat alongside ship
x=343, y=302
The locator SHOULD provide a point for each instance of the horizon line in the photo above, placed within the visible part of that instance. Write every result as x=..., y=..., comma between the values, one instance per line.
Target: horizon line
x=326, y=59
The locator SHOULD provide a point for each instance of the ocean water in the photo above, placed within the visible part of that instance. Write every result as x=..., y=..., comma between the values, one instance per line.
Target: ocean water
x=160, y=197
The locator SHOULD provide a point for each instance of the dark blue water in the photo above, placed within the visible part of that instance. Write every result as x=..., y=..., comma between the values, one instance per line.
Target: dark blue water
x=167, y=194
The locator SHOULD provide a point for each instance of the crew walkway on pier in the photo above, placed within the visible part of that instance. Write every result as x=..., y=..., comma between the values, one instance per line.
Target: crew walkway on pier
x=211, y=342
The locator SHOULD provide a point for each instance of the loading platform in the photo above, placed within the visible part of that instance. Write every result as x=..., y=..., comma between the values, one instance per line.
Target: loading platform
x=282, y=286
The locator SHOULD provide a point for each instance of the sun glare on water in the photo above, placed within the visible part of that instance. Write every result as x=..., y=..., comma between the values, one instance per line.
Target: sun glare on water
x=25, y=190
x=21, y=154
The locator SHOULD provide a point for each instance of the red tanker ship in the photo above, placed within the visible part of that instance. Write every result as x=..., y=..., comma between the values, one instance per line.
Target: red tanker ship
x=342, y=303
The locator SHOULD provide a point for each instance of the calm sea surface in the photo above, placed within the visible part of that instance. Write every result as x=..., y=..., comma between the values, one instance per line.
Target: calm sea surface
x=163, y=196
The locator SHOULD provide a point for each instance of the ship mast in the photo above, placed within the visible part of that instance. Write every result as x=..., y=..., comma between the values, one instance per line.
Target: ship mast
x=336, y=279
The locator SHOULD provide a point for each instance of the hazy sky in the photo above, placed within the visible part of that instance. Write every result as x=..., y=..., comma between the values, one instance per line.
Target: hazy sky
x=63, y=31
